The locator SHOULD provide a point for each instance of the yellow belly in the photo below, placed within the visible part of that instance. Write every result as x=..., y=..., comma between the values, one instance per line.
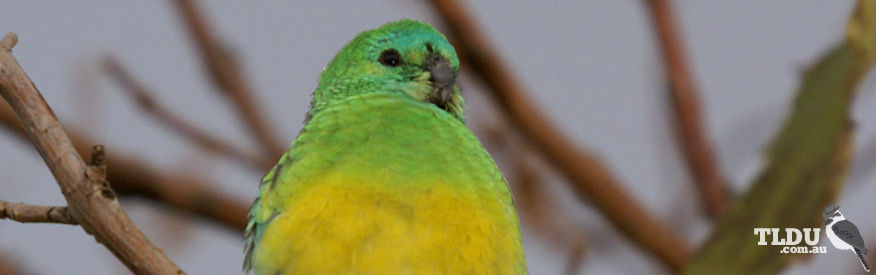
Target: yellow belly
x=339, y=227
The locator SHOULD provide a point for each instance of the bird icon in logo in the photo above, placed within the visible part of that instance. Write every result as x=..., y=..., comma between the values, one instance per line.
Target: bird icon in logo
x=843, y=234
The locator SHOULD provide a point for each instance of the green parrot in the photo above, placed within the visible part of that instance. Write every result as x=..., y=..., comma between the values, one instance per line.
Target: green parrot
x=385, y=178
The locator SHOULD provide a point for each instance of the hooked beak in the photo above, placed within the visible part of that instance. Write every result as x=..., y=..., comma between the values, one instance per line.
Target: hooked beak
x=443, y=78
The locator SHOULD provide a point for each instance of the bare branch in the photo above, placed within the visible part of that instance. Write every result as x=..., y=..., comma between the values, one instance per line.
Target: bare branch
x=198, y=136
x=8, y=42
x=576, y=256
x=34, y=213
x=541, y=213
x=227, y=76
x=131, y=176
x=90, y=200
x=689, y=131
x=588, y=176
x=545, y=216
x=186, y=193
x=8, y=265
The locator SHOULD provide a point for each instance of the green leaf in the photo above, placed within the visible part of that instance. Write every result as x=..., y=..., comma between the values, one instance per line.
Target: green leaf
x=860, y=32
x=806, y=162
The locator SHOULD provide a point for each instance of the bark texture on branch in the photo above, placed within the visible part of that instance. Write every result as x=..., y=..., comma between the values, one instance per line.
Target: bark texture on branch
x=90, y=200
x=133, y=177
x=26, y=213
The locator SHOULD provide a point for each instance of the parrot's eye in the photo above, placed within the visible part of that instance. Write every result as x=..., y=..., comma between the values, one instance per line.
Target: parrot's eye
x=390, y=58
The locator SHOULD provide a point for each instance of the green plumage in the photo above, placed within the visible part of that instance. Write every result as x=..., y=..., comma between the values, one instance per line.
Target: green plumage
x=382, y=179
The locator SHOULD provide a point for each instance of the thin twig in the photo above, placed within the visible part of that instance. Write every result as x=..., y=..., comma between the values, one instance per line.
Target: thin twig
x=196, y=135
x=8, y=266
x=544, y=215
x=588, y=176
x=89, y=198
x=576, y=256
x=227, y=76
x=186, y=193
x=35, y=213
x=131, y=176
x=689, y=131
x=541, y=214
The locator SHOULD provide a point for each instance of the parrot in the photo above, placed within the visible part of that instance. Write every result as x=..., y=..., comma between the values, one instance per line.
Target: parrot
x=384, y=177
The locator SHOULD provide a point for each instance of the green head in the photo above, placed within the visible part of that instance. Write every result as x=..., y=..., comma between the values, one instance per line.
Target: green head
x=404, y=57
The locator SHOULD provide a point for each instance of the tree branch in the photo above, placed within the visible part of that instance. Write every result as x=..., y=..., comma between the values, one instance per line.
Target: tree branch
x=26, y=213
x=90, y=200
x=690, y=135
x=588, y=176
x=226, y=75
x=198, y=136
x=576, y=256
x=541, y=213
x=131, y=176
x=8, y=266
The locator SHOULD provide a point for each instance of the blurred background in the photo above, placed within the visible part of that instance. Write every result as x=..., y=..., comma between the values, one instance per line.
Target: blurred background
x=594, y=67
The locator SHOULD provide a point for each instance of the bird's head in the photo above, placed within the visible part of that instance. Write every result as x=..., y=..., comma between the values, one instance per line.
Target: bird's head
x=405, y=57
x=835, y=217
x=831, y=213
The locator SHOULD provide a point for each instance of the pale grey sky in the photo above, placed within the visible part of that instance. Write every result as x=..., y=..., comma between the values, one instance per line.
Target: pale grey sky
x=592, y=65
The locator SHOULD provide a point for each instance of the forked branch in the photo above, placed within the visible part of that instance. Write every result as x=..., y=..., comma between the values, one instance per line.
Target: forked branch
x=133, y=177
x=35, y=213
x=90, y=200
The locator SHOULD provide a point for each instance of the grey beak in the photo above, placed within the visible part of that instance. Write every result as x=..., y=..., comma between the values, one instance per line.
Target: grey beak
x=443, y=78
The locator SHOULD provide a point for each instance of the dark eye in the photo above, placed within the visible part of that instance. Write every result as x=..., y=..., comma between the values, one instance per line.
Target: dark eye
x=390, y=58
